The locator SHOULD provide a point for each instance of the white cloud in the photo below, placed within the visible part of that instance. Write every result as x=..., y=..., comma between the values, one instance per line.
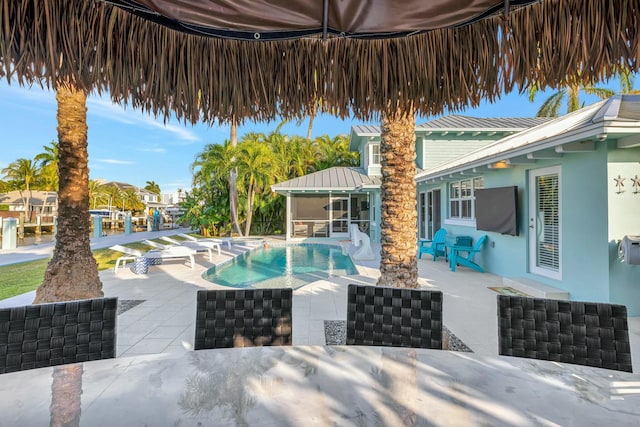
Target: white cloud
x=114, y=161
x=153, y=150
x=106, y=109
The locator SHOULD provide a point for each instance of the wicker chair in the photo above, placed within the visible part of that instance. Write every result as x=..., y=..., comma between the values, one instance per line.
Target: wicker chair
x=583, y=333
x=394, y=317
x=35, y=336
x=243, y=318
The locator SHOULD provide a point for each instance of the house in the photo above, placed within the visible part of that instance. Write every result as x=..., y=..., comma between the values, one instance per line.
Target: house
x=323, y=204
x=577, y=181
x=578, y=187
x=42, y=204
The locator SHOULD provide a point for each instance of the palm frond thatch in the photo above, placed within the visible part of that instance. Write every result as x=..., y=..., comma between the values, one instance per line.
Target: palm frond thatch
x=101, y=47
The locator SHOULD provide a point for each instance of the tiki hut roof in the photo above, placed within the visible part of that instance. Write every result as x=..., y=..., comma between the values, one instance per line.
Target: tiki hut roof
x=210, y=60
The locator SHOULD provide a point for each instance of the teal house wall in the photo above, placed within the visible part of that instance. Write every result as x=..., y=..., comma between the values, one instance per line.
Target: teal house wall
x=593, y=149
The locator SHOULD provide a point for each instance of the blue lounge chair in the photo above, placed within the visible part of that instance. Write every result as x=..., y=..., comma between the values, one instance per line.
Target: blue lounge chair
x=434, y=247
x=456, y=258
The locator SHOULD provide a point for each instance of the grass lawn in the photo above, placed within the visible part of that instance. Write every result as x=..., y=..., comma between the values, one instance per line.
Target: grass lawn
x=27, y=276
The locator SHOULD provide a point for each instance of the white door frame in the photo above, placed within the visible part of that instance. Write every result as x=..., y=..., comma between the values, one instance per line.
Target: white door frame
x=347, y=220
x=537, y=234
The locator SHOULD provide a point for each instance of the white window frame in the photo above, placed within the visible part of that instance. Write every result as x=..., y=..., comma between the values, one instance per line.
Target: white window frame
x=372, y=155
x=459, y=220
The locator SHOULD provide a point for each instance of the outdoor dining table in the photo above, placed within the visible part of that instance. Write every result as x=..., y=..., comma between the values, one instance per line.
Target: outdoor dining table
x=318, y=386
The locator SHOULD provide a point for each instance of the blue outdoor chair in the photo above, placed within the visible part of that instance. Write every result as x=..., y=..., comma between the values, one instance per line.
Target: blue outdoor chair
x=434, y=247
x=456, y=258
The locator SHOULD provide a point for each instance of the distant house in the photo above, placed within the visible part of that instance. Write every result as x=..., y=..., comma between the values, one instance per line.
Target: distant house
x=42, y=203
x=150, y=200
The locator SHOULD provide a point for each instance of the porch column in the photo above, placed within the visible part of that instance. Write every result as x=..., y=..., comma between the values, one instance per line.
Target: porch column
x=288, y=217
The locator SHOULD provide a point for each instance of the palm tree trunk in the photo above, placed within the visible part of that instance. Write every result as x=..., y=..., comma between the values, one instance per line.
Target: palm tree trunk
x=398, y=263
x=250, y=197
x=72, y=272
x=233, y=186
x=312, y=116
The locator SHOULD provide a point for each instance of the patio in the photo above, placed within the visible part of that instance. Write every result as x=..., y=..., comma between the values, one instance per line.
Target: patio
x=157, y=377
x=162, y=314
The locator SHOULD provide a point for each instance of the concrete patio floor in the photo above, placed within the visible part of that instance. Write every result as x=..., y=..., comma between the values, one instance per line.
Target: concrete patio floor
x=165, y=319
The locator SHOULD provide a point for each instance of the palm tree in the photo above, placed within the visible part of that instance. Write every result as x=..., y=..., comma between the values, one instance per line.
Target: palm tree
x=131, y=201
x=334, y=152
x=254, y=162
x=398, y=262
x=72, y=272
x=302, y=156
x=113, y=194
x=48, y=162
x=551, y=107
x=152, y=187
x=23, y=173
x=96, y=192
x=211, y=174
x=233, y=176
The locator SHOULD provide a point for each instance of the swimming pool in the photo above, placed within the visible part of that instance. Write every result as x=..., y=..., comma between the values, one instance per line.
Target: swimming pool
x=290, y=266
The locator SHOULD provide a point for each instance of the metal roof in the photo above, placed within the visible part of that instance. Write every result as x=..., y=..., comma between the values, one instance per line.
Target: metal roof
x=464, y=122
x=585, y=124
x=334, y=179
x=481, y=123
x=366, y=130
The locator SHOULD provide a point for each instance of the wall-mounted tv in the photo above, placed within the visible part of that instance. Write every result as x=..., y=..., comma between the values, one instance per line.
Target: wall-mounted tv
x=496, y=210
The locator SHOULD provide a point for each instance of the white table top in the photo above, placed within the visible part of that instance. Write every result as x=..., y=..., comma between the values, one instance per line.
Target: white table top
x=301, y=386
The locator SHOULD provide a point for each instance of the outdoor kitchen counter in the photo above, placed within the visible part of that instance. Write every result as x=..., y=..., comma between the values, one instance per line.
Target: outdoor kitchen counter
x=341, y=385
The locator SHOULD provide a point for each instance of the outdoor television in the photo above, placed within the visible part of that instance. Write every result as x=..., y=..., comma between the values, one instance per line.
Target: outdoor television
x=496, y=210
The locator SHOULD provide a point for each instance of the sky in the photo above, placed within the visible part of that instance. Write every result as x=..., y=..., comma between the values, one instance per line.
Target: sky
x=127, y=145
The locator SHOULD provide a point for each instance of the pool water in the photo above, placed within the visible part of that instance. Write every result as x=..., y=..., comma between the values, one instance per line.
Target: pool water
x=289, y=266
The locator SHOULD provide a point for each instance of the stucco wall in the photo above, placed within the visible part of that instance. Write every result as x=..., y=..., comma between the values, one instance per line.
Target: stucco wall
x=624, y=218
x=584, y=226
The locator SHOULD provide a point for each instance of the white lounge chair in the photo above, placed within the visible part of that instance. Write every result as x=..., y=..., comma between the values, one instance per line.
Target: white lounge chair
x=200, y=246
x=219, y=240
x=156, y=245
x=173, y=252
x=131, y=255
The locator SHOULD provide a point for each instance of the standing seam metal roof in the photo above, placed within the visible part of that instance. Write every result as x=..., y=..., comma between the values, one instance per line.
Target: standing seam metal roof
x=336, y=178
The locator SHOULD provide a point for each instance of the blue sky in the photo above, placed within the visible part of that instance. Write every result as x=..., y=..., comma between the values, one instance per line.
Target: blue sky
x=129, y=146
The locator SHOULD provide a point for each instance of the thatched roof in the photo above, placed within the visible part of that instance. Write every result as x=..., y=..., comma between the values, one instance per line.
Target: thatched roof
x=466, y=52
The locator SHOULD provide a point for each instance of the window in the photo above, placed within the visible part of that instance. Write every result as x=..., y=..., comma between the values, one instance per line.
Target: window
x=462, y=198
x=374, y=154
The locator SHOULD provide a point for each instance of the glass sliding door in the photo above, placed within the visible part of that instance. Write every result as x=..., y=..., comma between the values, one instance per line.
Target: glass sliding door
x=434, y=209
x=422, y=216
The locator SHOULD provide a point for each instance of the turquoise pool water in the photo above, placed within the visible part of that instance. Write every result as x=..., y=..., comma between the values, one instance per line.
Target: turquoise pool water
x=290, y=266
